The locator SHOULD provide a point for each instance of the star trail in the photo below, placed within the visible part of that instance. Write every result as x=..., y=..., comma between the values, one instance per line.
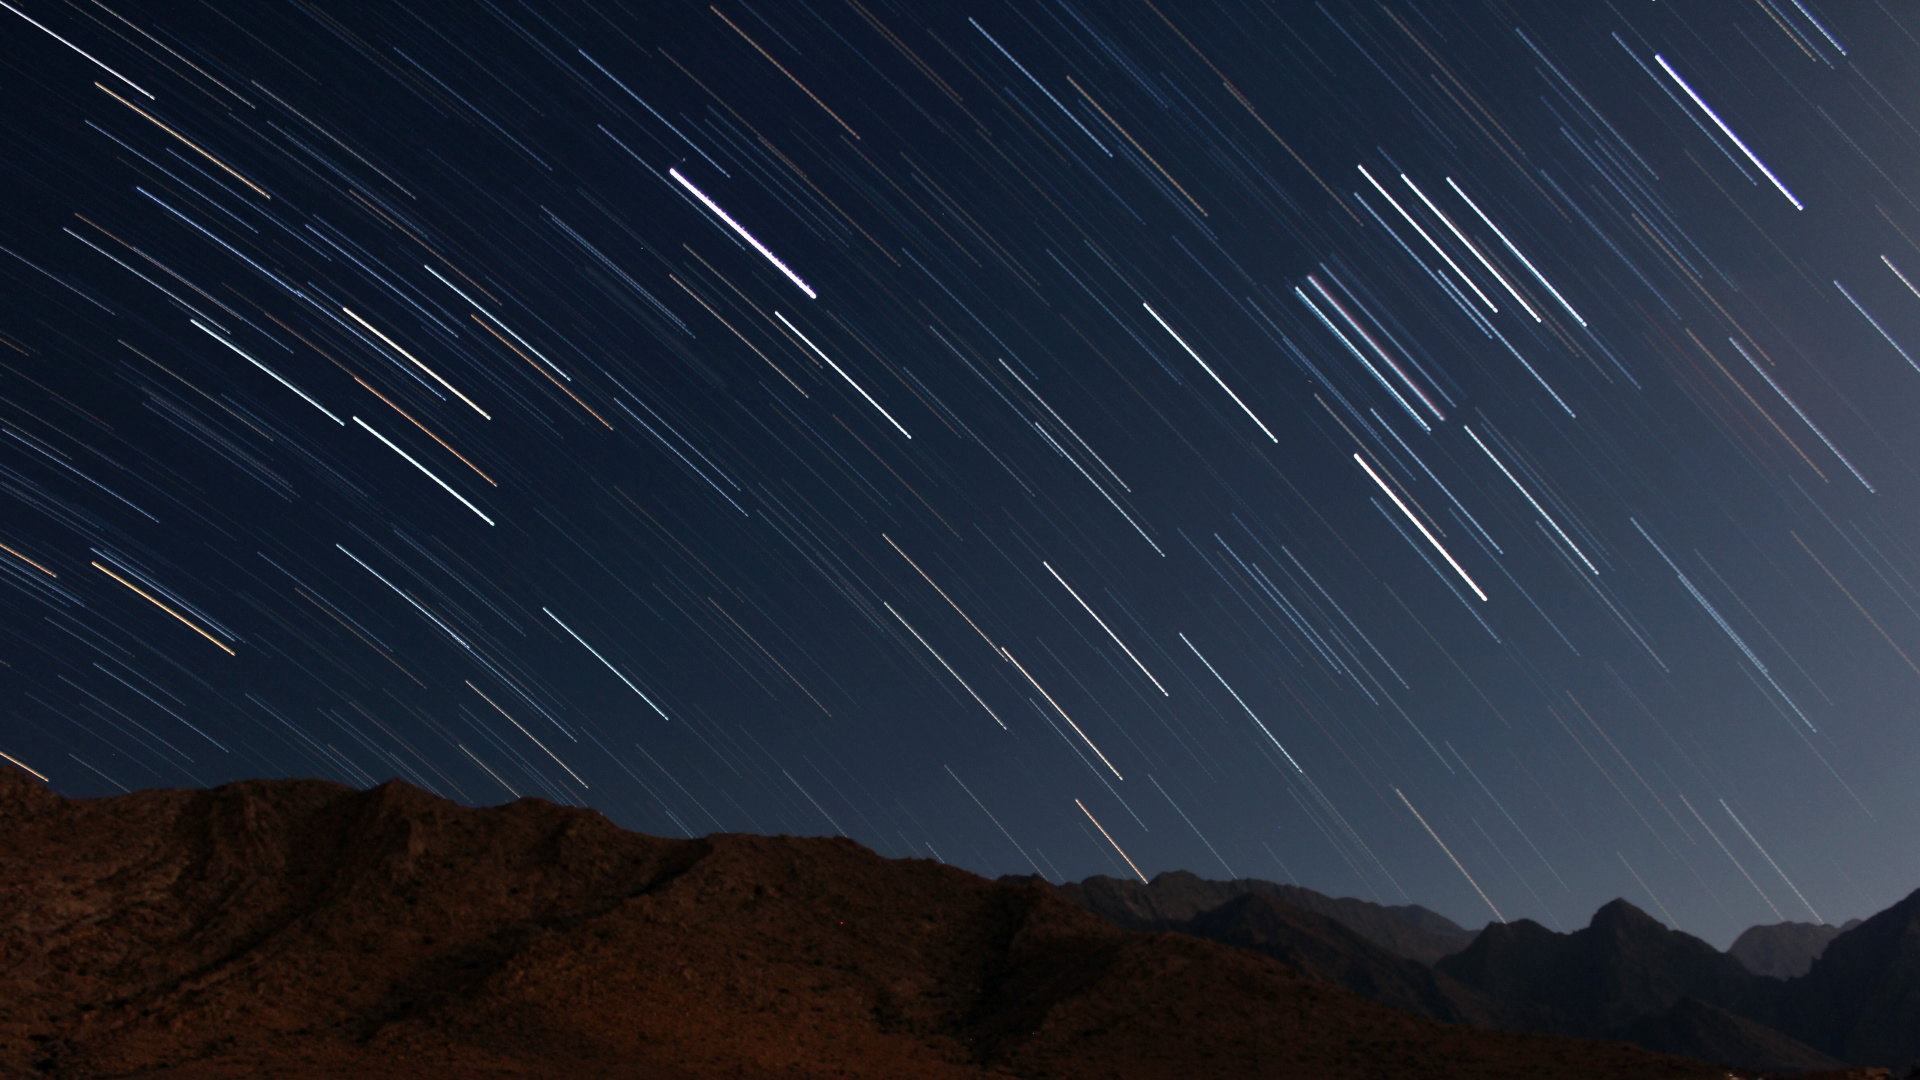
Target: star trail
x=1056, y=437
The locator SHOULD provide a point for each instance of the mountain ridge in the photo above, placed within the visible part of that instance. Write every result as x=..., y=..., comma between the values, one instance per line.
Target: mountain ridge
x=1325, y=948
x=1624, y=977
x=304, y=929
x=1785, y=950
x=1176, y=896
x=1622, y=966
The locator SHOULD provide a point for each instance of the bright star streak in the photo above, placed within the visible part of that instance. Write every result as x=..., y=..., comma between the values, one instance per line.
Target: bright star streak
x=1208, y=370
x=843, y=374
x=1418, y=524
x=395, y=346
x=17, y=761
x=1536, y=505
x=1450, y=855
x=1437, y=249
x=1063, y=715
x=1769, y=858
x=1110, y=839
x=944, y=664
x=1108, y=629
x=304, y=396
x=1737, y=141
x=1243, y=705
x=744, y=234
x=428, y=472
x=102, y=67
x=1516, y=253
x=610, y=667
x=1448, y=222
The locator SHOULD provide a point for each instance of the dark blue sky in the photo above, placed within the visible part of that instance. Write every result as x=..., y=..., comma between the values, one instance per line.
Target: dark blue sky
x=1457, y=454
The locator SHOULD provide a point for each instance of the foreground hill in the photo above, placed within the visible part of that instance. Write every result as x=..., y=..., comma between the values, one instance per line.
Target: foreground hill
x=302, y=929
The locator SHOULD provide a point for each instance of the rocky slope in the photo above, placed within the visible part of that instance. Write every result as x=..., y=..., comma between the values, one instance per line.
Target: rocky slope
x=301, y=929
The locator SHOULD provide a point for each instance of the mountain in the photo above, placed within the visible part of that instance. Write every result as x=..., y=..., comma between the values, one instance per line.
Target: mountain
x=1176, y=896
x=1624, y=977
x=301, y=929
x=1622, y=967
x=1519, y=964
x=1784, y=950
x=1326, y=949
x=1860, y=1001
x=1627, y=977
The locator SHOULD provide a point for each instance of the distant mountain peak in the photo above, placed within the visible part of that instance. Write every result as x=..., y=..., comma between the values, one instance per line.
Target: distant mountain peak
x=1623, y=967
x=1619, y=913
x=1784, y=950
x=1176, y=896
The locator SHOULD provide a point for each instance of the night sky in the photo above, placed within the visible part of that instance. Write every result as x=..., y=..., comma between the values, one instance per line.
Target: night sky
x=1449, y=453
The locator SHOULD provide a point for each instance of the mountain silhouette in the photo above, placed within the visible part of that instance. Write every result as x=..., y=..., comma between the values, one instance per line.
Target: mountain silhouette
x=1624, y=978
x=1784, y=950
x=302, y=929
x=1860, y=1001
x=1326, y=949
x=1628, y=977
x=1624, y=966
x=1176, y=896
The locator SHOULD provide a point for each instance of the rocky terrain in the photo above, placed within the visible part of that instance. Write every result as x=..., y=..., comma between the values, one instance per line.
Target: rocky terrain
x=304, y=929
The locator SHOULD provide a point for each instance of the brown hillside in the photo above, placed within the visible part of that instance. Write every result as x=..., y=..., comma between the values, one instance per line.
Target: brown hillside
x=302, y=929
